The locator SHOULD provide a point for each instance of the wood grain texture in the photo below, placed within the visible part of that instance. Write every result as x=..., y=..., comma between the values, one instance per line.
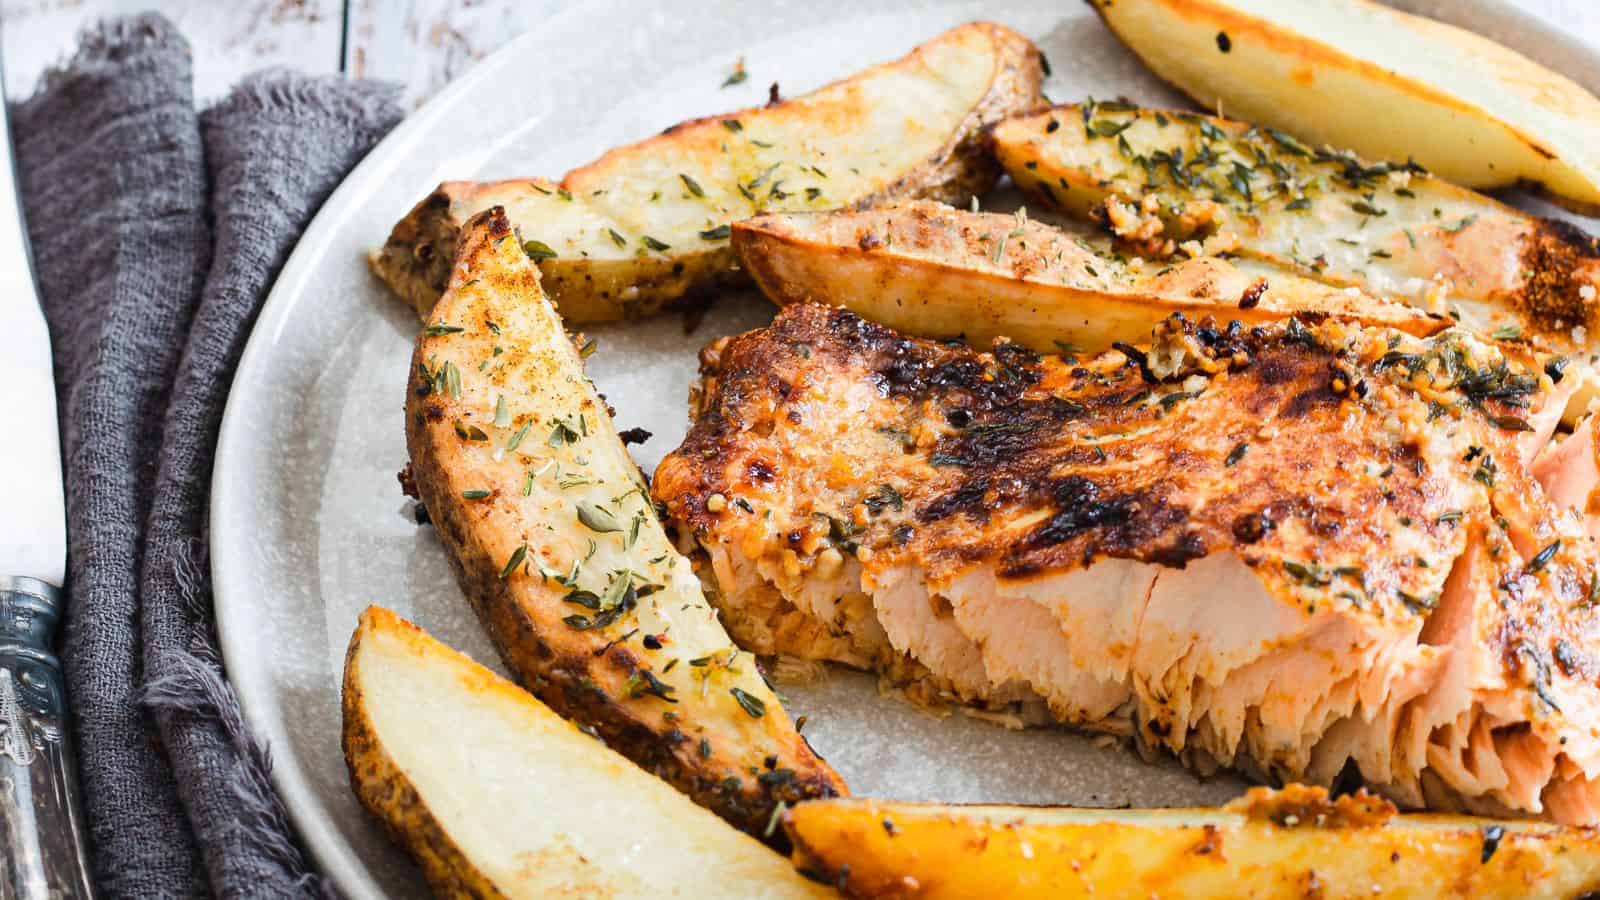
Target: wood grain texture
x=229, y=39
x=423, y=44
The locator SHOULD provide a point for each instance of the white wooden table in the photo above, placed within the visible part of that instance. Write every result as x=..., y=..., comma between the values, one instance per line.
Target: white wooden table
x=419, y=43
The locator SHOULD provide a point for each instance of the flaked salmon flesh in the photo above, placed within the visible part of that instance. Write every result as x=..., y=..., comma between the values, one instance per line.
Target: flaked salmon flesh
x=1299, y=551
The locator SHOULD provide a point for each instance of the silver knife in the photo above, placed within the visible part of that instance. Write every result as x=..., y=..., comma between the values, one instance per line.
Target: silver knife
x=43, y=845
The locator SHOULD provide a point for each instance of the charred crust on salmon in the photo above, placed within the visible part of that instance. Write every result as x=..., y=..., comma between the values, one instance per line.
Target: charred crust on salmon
x=1355, y=482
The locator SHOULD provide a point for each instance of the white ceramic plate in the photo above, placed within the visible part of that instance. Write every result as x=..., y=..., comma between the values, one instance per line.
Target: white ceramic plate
x=308, y=522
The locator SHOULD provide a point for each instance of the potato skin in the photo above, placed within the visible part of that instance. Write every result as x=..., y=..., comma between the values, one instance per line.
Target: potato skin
x=1269, y=845
x=386, y=793
x=416, y=260
x=932, y=270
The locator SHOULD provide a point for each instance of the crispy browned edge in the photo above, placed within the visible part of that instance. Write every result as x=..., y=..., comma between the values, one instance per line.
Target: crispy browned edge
x=1289, y=807
x=1557, y=259
x=758, y=243
x=1295, y=45
x=416, y=260
x=560, y=680
x=386, y=793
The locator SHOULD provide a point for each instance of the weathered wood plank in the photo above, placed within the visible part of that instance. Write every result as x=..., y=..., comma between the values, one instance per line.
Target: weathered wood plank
x=423, y=44
x=229, y=38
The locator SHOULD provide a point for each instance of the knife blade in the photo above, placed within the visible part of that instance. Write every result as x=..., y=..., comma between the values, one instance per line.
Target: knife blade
x=33, y=525
x=43, y=841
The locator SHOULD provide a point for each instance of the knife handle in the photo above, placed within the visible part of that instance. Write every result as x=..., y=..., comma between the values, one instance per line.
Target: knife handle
x=43, y=843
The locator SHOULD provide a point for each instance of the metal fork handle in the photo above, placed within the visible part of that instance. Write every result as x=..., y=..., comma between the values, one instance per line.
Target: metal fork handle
x=43, y=843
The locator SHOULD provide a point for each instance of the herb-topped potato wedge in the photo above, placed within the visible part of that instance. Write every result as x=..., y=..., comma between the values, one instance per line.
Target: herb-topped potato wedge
x=1356, y=74
x=494, y=795
x=1267, y=845
x=929, y=269
x=555, y=542
x=1159, y=180
x=647, y=224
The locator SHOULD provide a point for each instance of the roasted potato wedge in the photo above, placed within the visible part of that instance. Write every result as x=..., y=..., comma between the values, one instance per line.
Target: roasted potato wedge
x=1290, y=844
x=1352, y=73
x=1158, y=180
x=555, y=542
x=647, y=224
x=925, y=268
x=494, y=795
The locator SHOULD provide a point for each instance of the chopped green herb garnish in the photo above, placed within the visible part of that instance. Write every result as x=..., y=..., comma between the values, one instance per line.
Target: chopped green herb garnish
x=653, y=244
x=1107, y=128
x=884, y=497
x=452, y=379
x=762, y=178
x=1418, y=603
x=1543, y=557
x=692, y=185
x=772, y=820
x=517, y=556
x=436, y=330
x=537, y=250
x=1510, y=423
x=751, y=705
x=597, y=519
x=563, y=432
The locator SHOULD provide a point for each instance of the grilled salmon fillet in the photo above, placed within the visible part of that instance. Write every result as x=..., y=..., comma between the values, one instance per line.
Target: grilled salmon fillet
x=1292, y=550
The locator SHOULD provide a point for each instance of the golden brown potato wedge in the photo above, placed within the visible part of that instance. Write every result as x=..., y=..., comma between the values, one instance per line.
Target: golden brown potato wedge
x=647, y=224
x=1356, y=74
x=1157, y=179
x=925, y=268
x=1290, y=844
x=555, y=542
x=494, y=795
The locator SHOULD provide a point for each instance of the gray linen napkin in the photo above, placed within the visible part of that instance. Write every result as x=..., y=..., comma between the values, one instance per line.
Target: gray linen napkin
x=148, y=318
